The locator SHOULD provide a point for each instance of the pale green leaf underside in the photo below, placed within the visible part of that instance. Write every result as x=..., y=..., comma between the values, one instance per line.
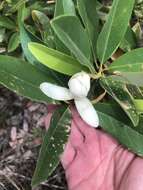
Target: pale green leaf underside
x=56, y=60
x=135, y=78
x=129, y=62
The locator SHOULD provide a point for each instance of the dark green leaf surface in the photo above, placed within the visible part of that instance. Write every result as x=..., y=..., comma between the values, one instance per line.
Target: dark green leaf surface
x=114, y=29
x=129, y=62
x=74, y=36
x=56, y=60
x=64, y=7
x=118, y=90
x=114, y=110
x=90, y=19
x=22, y=78
x=53, y=145
x=126, y=135
x=13, y=42
x=25, y=38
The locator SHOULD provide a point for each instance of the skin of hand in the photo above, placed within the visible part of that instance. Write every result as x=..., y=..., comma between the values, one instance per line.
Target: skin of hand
x=93, y=160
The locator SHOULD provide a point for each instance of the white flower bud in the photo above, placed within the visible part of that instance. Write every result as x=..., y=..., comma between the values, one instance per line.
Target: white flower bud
x=79, y=85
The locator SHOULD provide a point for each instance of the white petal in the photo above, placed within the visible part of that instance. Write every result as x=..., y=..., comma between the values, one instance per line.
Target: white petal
x=87, y=112
x=56, y=92
x=79, y=84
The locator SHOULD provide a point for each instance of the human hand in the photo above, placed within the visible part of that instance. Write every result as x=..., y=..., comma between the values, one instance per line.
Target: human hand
x=93, y=160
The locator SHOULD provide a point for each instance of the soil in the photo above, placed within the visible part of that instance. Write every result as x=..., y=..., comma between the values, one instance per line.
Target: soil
x=21, y=132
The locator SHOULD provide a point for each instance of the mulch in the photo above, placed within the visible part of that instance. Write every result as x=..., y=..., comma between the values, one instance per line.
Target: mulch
x=21, y=133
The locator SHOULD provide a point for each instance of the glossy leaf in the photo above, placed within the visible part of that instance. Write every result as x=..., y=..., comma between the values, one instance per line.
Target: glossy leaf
x=129, y=62
x=118, y=90
x=126, y=135
x=56, y=60
x=14, y=42
x=27, y=37
x=53, y=145
x=90, y=19
x=76, y=40
x=114, y=110
x=64, y=7
x=114, y=29
x=22, y=78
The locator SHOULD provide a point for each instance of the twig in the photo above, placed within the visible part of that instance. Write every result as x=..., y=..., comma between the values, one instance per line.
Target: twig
x=99, y=98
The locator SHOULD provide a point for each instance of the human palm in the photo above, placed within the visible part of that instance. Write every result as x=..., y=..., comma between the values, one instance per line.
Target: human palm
x=94, y=160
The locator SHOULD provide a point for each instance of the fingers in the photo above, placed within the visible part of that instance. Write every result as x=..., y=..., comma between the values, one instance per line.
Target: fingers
x=133, y=176
x=68, y=156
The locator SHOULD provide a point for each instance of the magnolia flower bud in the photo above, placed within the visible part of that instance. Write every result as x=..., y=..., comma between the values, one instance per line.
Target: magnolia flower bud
x=79, y=85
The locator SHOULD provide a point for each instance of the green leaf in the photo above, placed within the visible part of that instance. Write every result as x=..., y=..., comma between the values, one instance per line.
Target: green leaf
x=139, y=105
x=43, y=24
x=56, y=60
x=14, y=42
x=76, y=40
x=135, y=78
x=7, y=23
x=16, y=6
x=2, y=34
x=90, y=19
x=127, y=136
x=22, y=78
x=64, y=7
x=129, y=41
x=129, y=62
x=114, y=110
x=114, y=29
x=118, y=90
x=53, y=145
x=135, y=91
x=25, y=38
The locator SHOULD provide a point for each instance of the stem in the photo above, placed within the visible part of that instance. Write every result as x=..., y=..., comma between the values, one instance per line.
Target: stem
x=99, y=98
